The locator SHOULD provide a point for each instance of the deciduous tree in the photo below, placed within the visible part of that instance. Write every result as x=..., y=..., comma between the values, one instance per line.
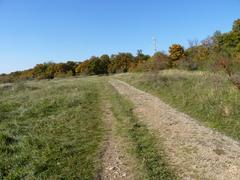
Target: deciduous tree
x=176, y=52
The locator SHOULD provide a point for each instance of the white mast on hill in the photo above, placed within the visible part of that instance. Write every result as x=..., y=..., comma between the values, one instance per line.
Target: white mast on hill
x=154, y=44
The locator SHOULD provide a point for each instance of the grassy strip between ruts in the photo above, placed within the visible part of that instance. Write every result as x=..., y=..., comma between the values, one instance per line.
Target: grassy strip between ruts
x=144, y=143
x=50, y=129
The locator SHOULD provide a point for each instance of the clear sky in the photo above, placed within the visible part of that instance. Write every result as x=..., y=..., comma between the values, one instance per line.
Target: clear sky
x=36, y=31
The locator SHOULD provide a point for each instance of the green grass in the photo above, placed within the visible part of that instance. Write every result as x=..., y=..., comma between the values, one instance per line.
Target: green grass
x=210, y=98
x=149, y=156
x=50, y=129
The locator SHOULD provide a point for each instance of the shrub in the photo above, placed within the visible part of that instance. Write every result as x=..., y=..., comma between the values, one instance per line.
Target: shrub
x=176, y=52
x=228, y=66
x=187, y=64
x=158, y=61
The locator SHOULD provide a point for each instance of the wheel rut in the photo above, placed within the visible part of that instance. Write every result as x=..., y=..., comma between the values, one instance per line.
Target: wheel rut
x=197, y=152
x=116, y=163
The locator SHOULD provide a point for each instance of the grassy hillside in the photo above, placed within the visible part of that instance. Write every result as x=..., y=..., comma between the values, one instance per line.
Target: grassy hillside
x=55, y=129
x=50, y=129
x=211, y=98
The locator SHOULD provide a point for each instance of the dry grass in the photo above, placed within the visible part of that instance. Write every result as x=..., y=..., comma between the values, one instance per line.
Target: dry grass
x=50, y=129
x=208, y=97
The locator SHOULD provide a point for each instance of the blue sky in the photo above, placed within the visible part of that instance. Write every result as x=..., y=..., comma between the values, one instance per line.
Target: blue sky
x=36, y=31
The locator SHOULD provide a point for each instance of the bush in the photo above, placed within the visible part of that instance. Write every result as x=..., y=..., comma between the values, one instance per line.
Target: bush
x=176, y=52
x=159, y=61
x=187, y=64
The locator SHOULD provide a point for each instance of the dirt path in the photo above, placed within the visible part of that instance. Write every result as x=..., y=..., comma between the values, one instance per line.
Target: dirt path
x=195, y=151
x=116, y=164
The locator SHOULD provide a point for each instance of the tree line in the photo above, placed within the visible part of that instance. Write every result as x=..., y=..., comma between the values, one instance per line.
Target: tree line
x=219, y=51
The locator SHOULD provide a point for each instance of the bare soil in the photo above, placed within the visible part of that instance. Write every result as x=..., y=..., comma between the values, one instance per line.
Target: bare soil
x=195, y=151
x=116, y=162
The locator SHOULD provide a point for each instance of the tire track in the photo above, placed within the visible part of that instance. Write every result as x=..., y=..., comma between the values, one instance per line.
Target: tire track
x=115, y=162
x=196, y=151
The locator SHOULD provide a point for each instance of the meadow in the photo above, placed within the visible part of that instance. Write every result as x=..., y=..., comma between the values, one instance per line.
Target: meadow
x=209, y=97
x=56, y=129
x=50, y=129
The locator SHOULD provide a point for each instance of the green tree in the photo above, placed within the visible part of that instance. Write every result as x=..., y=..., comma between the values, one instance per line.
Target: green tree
x=94, y=66
x=141, y=57
x=105, y=61
x=236, y=26
x=50, y=71
x=121, y=62
x=39, y=71
x=72, y=66
x=82, y=67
